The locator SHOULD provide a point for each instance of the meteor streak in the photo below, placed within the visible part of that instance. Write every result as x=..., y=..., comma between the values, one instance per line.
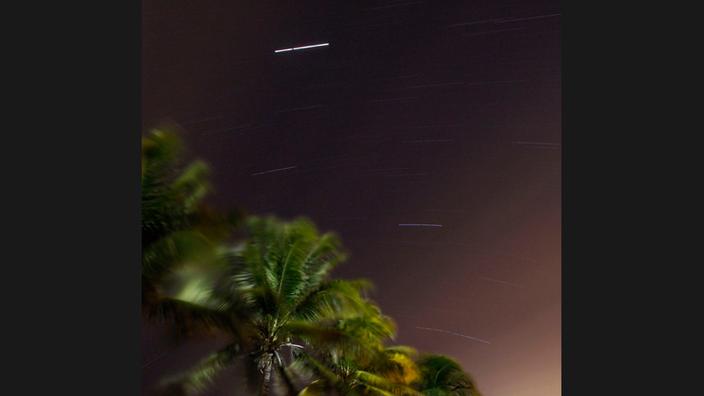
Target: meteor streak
x=301, y=48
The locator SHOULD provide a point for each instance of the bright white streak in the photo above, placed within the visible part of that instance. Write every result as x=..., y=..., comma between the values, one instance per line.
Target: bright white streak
x=311, y=46
x=301, y=48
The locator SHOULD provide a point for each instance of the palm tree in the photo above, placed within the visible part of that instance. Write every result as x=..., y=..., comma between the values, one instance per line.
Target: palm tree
x=279, y=294
x=179, y=233
x=443, y=376
x=270, y=294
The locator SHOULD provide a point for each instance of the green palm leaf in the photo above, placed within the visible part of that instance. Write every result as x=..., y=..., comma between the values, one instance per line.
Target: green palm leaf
x=443, y=376
x=200, y=377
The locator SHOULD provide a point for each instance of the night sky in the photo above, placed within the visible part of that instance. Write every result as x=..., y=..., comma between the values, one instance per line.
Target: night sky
x=437, y=113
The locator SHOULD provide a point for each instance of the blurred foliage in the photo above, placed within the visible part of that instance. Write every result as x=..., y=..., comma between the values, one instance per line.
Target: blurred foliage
x=278, y=291
x=379, y=371
x=297, y=330
x=443, y=376
x=180, y=233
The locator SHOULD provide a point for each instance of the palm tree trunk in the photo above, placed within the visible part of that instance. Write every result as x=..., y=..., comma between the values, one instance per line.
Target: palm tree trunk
x=266, y=380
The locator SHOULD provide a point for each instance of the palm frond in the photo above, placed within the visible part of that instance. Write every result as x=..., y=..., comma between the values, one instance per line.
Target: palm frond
x=397, y=364
x=380, y=382
x=286, y=375
x=356, y=337
x=192, y=185
x=188, y=320
x=315, y=388
x=176, y=249
x=334, y=298
x=322, y=256
x=290, y=274
x=284, y=263
x=328, y=378
x=442, y=375
x=202, y=376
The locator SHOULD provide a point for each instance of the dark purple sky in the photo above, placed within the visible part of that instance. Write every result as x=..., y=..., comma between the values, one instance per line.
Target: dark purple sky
x=433, y=112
